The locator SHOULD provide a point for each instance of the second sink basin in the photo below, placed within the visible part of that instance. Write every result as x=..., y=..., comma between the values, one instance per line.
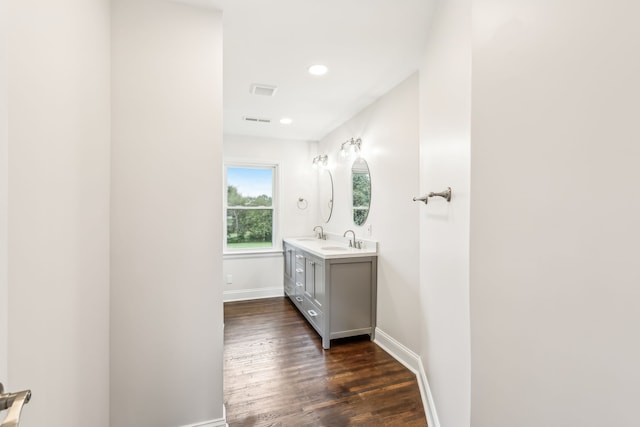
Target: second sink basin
x=333, y=248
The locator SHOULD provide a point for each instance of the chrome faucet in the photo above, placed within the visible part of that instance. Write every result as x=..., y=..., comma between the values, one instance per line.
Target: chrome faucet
x=320, y=235
x=353, y=243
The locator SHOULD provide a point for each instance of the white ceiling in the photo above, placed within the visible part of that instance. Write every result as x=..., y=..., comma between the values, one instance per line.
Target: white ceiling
x=368, y=45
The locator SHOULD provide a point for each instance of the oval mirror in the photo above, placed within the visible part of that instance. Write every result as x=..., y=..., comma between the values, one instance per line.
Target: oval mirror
x=361, y=186
x=326, y=194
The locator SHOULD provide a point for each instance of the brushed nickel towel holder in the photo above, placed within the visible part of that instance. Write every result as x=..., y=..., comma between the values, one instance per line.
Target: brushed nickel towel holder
x=446, y=194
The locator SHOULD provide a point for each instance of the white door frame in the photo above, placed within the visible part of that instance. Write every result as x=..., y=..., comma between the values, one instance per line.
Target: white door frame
x=4, y=194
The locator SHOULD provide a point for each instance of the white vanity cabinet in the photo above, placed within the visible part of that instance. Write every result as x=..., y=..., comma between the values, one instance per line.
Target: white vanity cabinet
x=337, y=295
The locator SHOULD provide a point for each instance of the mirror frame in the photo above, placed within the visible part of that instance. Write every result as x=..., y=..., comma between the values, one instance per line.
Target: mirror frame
x=321, y=193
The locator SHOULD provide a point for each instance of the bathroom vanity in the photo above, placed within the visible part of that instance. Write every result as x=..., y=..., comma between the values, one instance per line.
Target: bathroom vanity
x=333, y=286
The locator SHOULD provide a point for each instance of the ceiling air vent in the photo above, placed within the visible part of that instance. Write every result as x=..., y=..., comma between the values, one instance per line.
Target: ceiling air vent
x=264, y=90
x=255, y=119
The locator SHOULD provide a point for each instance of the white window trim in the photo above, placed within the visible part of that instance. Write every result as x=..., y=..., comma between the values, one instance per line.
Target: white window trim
x=276, y=205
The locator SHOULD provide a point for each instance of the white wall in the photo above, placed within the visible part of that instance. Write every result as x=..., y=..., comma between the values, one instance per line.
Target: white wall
x=389, y=132
x=4, y=166
x=555, y=295
x=261, y=275
x=445, y=98
x=166, y=290
x=58, y=212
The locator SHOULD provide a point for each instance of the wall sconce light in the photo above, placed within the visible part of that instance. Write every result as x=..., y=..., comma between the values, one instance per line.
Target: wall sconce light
x=350, y=146
x=321, y=161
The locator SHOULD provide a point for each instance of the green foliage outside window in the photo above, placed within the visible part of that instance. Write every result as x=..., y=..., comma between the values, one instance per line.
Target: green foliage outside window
x=249, y=226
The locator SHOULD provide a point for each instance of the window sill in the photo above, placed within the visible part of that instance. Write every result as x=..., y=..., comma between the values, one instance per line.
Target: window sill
x=265, y=253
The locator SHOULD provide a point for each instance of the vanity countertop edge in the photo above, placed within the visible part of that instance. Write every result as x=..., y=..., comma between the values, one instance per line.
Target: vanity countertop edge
x=331, y=249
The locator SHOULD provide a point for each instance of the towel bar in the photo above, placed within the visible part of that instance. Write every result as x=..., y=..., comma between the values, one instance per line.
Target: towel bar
x=446, y=194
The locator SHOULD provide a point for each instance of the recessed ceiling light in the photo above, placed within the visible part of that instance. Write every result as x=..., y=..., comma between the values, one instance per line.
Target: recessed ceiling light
x=318, y=69
x=286, y=121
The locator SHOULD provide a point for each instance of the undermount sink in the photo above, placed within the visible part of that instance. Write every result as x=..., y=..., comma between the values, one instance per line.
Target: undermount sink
x=306, y=240
x=333, y=248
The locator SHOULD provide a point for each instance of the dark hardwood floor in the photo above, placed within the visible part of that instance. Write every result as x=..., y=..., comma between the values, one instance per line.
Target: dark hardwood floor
x=277, y=374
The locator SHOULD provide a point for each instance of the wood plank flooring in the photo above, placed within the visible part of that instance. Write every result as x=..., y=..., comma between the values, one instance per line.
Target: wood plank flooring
x=277, y=374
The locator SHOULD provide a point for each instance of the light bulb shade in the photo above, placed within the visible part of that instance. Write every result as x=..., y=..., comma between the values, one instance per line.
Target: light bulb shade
x=350, y=147
x=320, y=161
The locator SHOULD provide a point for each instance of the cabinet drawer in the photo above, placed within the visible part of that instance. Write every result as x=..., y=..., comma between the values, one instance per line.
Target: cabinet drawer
x=299, y=259
x=298, y=300
x=314, y=315
x=311, y=304
x=298, y=289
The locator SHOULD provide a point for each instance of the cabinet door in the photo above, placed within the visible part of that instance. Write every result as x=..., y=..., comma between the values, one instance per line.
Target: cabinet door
x=314, y=281
x=288, y=262
x=309, y=279
x=318, y=284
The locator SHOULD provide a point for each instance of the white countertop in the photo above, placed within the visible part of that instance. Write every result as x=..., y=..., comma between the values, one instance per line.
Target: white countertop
x=330, y=248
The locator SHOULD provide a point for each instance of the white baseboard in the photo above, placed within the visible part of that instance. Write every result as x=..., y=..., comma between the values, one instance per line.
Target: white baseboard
x=399, y=352
x=412, y=362
x=427, y=398
x=247, y=294
x=220, y=422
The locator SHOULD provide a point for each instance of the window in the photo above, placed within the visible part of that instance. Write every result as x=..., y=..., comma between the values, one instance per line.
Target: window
x=250, y=206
